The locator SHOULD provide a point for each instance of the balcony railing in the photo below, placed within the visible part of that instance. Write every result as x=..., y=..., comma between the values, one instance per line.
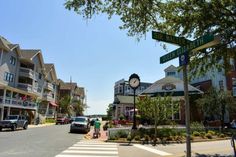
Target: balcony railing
x=48, y=96
x=18, y=103
x=26, y=72
x=24, y=86
x=49, y=86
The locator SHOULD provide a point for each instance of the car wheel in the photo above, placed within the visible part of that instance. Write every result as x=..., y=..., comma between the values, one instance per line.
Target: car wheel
x=25, y=126
x=13, y=128
x=0, y=128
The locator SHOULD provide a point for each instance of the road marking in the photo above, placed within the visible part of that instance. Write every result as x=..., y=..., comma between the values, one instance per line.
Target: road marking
x=83, y=156
x=89, y=152
x=90, y=149
x=162, y=153
x=86, y=148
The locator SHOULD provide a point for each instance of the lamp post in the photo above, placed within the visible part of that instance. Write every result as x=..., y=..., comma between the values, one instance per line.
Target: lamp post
x=134, y=82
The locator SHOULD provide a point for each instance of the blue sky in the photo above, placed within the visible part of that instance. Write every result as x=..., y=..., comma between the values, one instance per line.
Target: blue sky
x=95, y=53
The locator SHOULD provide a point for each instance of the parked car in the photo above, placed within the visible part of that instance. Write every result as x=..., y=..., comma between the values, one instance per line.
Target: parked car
x=62, y=120
x=80, y=124
x=71, y=119
x=14, y=122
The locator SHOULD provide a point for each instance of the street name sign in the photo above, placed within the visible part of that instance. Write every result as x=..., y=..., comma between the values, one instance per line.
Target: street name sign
x=170, y=38
x=200, y=43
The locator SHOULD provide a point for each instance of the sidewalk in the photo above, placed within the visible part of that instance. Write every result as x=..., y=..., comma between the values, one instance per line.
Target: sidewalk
x=103, y=137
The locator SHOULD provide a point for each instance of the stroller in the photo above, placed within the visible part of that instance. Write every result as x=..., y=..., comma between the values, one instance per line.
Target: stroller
x=96, y=133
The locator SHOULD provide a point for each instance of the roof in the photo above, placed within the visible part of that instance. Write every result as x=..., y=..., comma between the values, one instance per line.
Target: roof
x=50, y=69
x=80, y=91
x=169, y=85
x=125, y=99
x=68, y=86
x=170, y=68
x=29, y=53
x=6, y=45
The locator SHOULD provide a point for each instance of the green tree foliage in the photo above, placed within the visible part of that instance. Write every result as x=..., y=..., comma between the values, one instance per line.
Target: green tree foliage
x=215, y=103
x=185, y=18
x=78, y=107
x=110, y=111
x=165, y=107
x=64, y=104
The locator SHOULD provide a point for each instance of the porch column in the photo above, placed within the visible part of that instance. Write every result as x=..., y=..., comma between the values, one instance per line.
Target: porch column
x=116, y=111
x=8, y=111
x=46, y=113
x=4, y=96
x=2, y=112
x=11, y=97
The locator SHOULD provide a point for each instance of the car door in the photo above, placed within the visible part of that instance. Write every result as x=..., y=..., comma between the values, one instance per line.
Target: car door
x=20, y=121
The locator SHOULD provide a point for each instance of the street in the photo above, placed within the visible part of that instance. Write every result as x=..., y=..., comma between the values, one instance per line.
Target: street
x=56, y=141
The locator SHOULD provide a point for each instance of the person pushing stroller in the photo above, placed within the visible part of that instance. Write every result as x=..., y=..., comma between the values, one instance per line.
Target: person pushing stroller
x=97, y=125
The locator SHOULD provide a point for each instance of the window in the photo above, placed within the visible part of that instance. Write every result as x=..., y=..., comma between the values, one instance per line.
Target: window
x=40, y=76
x=171, y=73
x=13, y=60
x=221, y=85
x=8, y=77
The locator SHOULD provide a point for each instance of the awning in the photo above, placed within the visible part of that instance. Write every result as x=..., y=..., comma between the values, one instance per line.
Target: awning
x=53, y=104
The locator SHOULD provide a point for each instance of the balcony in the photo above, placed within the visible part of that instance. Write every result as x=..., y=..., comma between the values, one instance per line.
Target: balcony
x=48, y=97
x=26, y=72
x=25, y=87
x=49, y=86
x=18, y=103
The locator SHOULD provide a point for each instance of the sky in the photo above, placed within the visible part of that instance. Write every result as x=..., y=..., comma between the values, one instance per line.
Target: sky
x=95, y=53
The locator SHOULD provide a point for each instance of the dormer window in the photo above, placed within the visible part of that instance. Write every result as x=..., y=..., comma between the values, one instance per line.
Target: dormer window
x=170, y=73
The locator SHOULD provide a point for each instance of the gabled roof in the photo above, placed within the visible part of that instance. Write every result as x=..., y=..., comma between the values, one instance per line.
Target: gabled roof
x=29, y=55
x=125, y=99
x=6, y=45
x=50, y=70
x=170, y=68
x=169, y=85
x=68, y=86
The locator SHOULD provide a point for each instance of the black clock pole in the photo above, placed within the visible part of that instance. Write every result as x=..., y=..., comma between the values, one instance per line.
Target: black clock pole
x=134, y=116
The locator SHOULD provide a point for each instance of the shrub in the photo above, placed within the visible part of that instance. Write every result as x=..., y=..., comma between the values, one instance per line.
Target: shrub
x=121, y=134
x=209, y=136
x=196, y=126
x=211, y=132
x=137, y=138
x=50, y=121
x=221, y=135
x=196, y=133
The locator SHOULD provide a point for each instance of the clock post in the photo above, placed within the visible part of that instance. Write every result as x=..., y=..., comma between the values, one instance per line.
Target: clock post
x=134, y=82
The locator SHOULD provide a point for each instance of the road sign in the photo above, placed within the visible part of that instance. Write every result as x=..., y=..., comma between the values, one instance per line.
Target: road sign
x=170, y=38
x=191, y=46
x=183, y=59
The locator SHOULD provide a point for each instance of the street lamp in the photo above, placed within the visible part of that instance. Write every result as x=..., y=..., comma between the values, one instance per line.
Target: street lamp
x=134, y=82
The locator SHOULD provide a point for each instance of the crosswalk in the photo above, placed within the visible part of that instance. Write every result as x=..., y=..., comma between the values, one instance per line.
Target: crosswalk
x=90, y=149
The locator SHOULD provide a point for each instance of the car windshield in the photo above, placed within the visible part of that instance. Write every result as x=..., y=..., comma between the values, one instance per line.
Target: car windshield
x=78, y=119
x=11, y=117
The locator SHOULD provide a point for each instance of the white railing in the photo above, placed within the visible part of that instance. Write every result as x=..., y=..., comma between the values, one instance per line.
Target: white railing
x=27, y=72
x=48, y=86
x=18, y=103
x=24, y=86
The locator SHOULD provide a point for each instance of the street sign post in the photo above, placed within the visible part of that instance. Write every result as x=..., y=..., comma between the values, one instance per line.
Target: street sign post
x=182, y=52
x=194, y=45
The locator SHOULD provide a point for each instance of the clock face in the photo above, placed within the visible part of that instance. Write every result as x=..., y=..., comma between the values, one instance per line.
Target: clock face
x=134, y=82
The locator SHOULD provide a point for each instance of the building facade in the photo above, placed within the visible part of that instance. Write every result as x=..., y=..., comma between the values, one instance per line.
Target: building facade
x=123, y=98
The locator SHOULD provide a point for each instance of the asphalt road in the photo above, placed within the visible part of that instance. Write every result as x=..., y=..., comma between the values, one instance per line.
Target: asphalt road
x=37, y=142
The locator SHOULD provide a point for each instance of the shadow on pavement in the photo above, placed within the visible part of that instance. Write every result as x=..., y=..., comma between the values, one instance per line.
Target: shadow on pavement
x=215, y=155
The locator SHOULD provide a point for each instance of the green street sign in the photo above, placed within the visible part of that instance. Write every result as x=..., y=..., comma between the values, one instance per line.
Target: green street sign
x=181, y=41
x=193, y=45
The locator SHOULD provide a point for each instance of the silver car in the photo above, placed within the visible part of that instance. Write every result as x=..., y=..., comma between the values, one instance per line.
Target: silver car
x=80, y=124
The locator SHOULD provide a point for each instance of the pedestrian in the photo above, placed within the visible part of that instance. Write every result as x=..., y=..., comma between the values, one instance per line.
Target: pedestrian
x=97, y=125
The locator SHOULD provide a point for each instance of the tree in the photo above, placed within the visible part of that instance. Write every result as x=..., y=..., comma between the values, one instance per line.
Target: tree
x=110, y=110
x=215, y=103
x=78, y=107
x=64, y=104
x=162, y=108
x=182, y=18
